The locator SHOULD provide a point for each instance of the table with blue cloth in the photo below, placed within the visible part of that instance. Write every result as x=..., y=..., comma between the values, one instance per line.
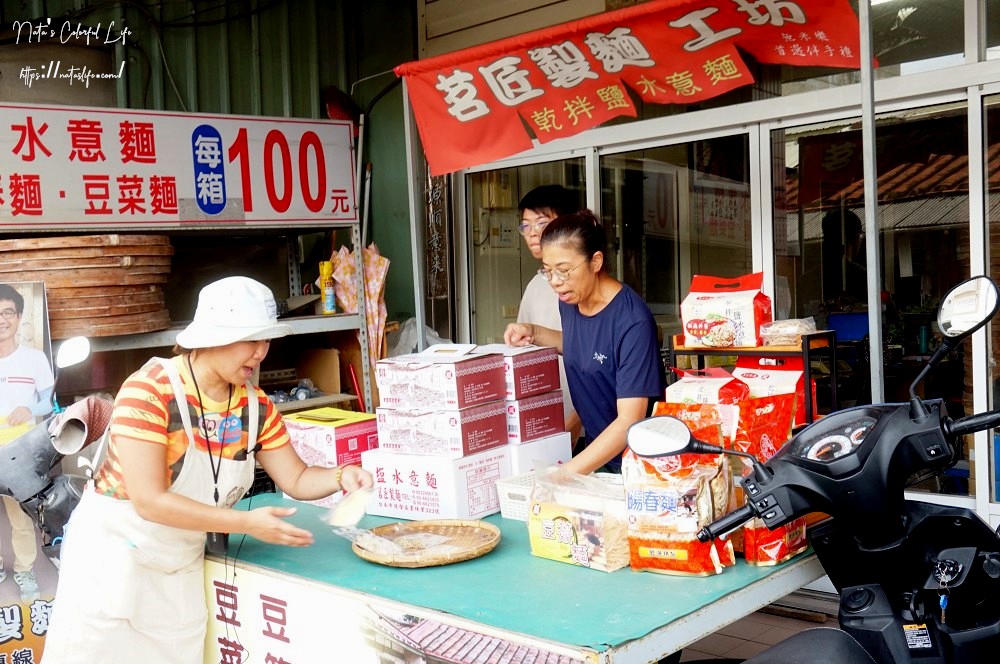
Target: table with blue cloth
x=324, y=603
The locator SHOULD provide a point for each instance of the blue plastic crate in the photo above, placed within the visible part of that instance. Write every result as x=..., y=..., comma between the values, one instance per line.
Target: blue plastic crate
x=851, y=326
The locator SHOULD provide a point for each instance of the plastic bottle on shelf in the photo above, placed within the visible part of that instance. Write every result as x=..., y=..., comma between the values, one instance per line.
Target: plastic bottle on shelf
x=326, y=287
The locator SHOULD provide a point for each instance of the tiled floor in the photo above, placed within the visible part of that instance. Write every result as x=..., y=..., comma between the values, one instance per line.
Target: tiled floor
x=751, y=635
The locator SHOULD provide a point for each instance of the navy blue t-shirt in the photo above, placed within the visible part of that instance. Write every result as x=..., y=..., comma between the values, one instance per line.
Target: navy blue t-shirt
x=611, y=355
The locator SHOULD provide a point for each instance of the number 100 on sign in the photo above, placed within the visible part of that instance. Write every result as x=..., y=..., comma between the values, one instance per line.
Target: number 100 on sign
x=287, y=172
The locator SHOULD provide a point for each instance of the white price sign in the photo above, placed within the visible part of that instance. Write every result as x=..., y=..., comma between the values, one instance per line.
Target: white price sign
x=67, y=167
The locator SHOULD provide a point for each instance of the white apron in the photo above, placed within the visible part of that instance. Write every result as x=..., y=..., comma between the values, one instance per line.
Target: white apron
x=133, y=591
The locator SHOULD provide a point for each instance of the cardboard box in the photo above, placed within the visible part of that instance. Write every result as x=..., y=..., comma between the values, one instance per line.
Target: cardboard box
x=535, y=417
x=330, y=437
x=322, y=366
x=414, y=486
x=447, y=433
x=445, y=376
x=527, y=370
x=550, y=450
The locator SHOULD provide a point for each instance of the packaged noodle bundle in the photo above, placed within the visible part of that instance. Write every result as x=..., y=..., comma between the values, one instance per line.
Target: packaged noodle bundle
x=712, y=385
x=579, y=519
x=765, y=425
x=762, y=546
x=721, y=312
x=670, y=498
x=766, y=376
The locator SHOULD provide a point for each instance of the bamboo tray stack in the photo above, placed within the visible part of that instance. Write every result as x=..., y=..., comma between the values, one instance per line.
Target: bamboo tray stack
x=95, y=285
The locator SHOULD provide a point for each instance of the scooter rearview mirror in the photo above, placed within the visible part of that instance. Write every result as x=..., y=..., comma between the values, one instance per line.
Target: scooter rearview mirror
x=72, y=351
x=967, y=307
x=659, y=436
x=964, y=309
x=667, y=436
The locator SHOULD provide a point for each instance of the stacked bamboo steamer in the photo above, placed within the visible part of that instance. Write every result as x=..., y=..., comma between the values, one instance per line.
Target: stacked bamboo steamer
x=95, y=285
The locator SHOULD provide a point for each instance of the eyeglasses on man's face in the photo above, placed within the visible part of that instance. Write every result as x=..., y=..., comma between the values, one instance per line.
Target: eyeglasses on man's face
x=8, y=314
x=537, y=225
x=556, y=273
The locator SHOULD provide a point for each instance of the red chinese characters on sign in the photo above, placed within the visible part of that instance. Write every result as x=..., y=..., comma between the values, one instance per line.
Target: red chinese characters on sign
x=227, y=601
x=25, y=193
x=137, y=142
x=274, y=612
x=30, y=139
x=563, y=80
x=85, y=139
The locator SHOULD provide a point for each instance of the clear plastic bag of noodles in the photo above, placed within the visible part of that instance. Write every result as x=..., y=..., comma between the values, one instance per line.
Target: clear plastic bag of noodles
x=668, y=499
x=578, y=519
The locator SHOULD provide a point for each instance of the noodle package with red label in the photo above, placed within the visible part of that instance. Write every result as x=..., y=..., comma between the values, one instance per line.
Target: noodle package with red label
x=722, y=312
x=668, y=499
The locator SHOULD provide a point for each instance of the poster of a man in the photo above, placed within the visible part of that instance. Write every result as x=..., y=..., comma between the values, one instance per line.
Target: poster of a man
x=26, y=384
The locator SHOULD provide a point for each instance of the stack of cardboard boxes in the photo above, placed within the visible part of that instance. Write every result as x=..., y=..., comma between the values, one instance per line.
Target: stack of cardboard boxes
x=454, y=419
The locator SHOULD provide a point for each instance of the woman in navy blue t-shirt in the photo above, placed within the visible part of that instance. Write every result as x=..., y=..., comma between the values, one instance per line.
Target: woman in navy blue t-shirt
x=608, y=341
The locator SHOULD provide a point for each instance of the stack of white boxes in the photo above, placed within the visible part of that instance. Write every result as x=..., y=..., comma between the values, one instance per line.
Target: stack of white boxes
x=455, y=419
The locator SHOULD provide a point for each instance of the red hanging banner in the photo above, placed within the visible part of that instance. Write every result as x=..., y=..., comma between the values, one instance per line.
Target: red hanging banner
x=491, y=101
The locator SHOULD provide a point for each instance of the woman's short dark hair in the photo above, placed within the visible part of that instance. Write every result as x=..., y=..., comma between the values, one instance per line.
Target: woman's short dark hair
x=581, y=230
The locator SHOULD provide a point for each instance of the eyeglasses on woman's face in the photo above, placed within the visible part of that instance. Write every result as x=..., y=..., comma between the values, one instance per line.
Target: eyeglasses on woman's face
x=556, y=273
x=8, y=314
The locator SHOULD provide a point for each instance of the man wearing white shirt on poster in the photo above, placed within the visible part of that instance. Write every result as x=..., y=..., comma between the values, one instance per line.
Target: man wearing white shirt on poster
x=26, y=384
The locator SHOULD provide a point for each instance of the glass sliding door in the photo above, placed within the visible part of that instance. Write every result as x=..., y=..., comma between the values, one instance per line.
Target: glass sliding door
x=922, y=241
x=991, y=160
x=674, y=211
x=500, y=263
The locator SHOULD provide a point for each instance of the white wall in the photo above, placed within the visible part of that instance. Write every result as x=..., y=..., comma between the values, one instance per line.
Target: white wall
x=450, y=25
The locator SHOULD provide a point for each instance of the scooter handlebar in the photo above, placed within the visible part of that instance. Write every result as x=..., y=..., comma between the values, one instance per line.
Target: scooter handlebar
x=973, y=423
x=728, y=522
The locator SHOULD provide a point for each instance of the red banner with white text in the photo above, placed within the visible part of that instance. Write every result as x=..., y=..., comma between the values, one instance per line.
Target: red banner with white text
x=491, y=101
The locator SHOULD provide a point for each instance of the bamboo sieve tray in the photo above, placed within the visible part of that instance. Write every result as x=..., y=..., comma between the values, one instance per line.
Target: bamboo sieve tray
x=429, y=543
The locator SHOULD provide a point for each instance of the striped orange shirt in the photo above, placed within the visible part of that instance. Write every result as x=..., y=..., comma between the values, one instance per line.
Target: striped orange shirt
x=146, y=410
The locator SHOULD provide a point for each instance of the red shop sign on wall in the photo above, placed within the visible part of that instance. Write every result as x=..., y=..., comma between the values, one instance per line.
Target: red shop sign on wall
x=485, y=103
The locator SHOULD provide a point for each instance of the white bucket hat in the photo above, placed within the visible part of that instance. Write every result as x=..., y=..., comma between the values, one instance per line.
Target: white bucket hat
x=230, y=310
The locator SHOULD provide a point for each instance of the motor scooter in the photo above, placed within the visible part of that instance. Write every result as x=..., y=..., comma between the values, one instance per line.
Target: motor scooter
x=28, y=464
x=918, y=582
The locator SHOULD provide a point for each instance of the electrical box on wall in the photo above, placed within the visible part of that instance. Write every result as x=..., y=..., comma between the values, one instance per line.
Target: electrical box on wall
x=497, y=228
x=503, y=229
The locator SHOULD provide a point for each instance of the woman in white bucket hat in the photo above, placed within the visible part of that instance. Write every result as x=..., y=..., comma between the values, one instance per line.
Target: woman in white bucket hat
x=131, y=583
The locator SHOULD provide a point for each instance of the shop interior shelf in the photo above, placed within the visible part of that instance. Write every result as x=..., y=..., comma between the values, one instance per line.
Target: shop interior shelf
x=823, y=341
x=165, y=338
x=335, y=400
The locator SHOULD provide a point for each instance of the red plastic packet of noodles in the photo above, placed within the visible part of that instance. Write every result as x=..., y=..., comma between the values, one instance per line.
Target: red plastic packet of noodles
x=725, y=312
x=767, y=376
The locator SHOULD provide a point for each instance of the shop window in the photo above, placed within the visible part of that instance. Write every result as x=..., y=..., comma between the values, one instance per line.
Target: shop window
x=908, y=37
x=500, y=264
x=923, y=243
x=676, y=211
x=992, y=29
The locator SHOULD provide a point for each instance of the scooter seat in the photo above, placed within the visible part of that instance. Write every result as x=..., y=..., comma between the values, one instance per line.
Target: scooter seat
x=822, y=645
